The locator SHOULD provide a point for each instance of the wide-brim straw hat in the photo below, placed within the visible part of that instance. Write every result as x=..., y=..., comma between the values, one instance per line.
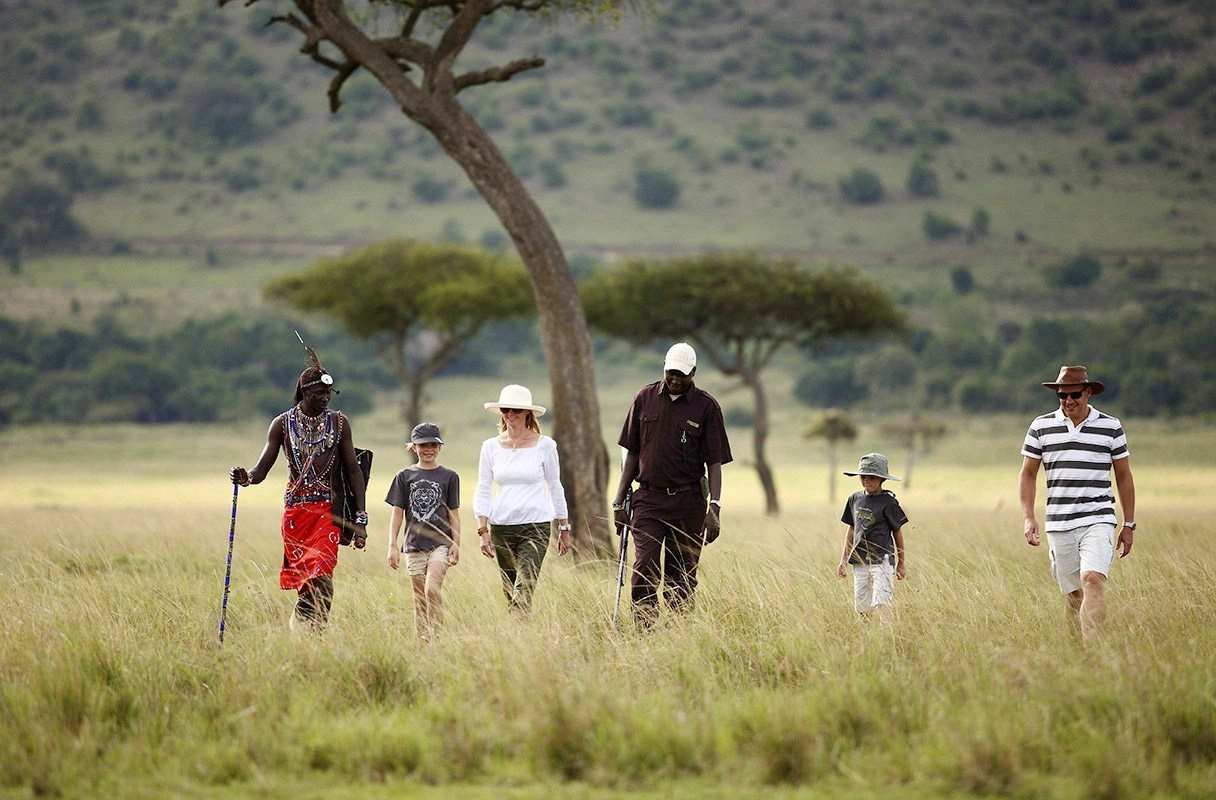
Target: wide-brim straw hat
x=1075, y=376
x=875, y=464
x=514, y=396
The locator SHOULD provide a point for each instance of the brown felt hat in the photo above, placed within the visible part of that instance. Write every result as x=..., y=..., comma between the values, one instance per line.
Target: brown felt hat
x=1072, y=376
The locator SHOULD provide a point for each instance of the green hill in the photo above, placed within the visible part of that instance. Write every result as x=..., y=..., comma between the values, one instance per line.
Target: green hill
x=1071, y=124
x=1032, y=178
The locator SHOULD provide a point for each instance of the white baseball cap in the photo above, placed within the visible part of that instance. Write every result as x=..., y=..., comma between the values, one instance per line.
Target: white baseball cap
x=681, y=357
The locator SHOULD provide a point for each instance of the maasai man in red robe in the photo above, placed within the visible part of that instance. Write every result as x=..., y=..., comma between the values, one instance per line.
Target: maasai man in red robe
x=320, y=450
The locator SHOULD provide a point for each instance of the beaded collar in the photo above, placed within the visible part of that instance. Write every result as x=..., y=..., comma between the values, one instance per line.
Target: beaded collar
x=311, y=445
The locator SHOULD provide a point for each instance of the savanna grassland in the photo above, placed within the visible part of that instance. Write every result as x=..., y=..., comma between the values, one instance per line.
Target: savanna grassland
x=1078, y=128
x=113, y=685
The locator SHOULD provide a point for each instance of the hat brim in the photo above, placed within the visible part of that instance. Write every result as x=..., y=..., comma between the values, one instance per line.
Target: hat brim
x=1095, y=387
x=495, y=408
x=427, y=440
x=874, y=475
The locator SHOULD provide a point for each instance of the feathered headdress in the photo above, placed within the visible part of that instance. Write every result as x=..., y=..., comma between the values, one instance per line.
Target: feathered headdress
x=314, y=374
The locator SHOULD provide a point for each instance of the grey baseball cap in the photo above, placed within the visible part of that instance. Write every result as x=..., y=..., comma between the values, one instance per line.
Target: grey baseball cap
x=425, y=433
x=874, y=464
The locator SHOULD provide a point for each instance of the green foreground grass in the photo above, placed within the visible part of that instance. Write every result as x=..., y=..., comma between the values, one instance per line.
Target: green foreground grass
x=112, y=683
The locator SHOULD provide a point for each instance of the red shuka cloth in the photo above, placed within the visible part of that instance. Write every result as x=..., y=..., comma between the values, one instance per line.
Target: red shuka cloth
x=310, y=543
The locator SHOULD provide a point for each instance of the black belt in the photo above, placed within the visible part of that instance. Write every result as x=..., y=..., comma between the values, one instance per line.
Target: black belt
x=671, y=489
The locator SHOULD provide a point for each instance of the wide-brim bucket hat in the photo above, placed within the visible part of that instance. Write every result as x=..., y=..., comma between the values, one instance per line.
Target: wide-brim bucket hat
x=514, y=396
x=875, y=464
x=1075, y=376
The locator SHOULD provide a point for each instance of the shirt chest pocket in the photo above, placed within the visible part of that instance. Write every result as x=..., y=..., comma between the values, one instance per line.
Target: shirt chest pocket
x=689, y=435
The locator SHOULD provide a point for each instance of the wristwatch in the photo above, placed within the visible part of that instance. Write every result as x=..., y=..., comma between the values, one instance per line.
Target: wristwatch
x=1131, y=525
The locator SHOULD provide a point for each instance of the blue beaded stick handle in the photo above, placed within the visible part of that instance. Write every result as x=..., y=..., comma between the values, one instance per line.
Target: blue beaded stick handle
x=228, y=568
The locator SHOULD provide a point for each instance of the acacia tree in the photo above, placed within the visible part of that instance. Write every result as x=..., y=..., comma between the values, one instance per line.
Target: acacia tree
x=833, y=426
x=425, y=300
x=918, y=433
x=739, y=310
x=416, y=64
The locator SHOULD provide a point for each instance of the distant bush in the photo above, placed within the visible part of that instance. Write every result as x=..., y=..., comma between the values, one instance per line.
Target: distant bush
x=937, y=226
x=430, y=189
x=862, y=187
x=629, y=115
x=655, y=187
x=697, y=79
x=922, y=180
x=1142, y=36
x=222, y=113
x=90, y=116
x=1192, y=86
x=552, y=174
x=1119, y=130
x=753, y=135
x=950, y=75
x=742, y=95
x=1148, y=271
x=820, y=118
x=662, y=59
x=79, y=172
x=1157, y=78
x=130, y=39
x=962, y=280
x=886, y=131
x=1077, y=272
x=39, y=214
x=494, y=240
x=364, y=99
x=980, y=222
x=830, y=384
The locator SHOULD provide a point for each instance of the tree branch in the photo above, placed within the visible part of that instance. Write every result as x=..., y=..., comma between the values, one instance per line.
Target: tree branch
x=498, y=74
x=419, y=8
x=313, y=34
x=457, y=35
x=344, y=71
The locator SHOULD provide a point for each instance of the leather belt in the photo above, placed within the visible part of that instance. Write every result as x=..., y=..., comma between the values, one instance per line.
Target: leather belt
x=670, y=490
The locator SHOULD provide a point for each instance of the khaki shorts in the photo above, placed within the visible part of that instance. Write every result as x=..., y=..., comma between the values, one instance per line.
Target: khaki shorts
x=416, y=561
x=873, y=585
x=1088, y=549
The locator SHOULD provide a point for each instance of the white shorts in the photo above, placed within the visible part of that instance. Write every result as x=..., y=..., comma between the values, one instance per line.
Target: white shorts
x=873, y=585
x=1088, y=549
x=416, y=561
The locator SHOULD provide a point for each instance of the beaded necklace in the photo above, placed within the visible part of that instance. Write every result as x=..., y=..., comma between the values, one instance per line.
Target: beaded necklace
x=310, y=444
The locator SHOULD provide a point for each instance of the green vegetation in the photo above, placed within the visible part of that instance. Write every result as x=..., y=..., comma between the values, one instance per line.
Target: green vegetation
x=422, y=302
x=113, y=685
x=181, y=110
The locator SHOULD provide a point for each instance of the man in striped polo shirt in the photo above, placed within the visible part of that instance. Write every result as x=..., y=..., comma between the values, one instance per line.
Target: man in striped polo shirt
x=1079, y=446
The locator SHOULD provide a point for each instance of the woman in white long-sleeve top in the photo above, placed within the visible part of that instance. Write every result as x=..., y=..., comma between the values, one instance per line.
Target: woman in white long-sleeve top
x=519, y=495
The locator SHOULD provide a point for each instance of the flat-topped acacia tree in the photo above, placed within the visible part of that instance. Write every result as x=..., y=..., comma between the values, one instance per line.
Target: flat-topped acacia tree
x=738, y=310
x=416, y=64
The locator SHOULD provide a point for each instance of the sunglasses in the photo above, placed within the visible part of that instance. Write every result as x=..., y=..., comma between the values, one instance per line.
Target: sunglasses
x=1070, y=395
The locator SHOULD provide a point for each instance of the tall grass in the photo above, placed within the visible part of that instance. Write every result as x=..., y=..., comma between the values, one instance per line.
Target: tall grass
x=112, y=683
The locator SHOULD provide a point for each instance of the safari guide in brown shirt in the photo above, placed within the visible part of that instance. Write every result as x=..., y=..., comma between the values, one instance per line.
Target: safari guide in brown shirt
x=675, y=444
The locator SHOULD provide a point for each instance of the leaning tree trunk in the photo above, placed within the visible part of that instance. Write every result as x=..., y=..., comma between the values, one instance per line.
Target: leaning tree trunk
x=760, y=439
x=432, y=104
x=563, y=328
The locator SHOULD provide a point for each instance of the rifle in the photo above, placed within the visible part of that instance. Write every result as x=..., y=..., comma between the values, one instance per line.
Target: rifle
x=620, y=570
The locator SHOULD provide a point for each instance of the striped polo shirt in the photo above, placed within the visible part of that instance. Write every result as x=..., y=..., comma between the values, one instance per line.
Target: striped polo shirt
x=1077, y=460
